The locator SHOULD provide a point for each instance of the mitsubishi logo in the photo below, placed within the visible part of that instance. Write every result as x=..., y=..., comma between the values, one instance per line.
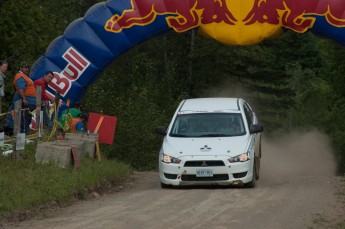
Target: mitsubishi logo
x=204, y=163
x=205, y=148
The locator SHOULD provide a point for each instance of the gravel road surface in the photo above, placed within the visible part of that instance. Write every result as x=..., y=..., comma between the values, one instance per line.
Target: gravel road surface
x=297, y=189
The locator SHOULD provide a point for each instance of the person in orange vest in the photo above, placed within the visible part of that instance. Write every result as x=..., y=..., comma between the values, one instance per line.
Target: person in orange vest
x=25, y=91
x=77, y=124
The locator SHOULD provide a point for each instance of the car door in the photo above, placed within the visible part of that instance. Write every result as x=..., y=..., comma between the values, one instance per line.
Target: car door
x=251, y=119
x=256, y=138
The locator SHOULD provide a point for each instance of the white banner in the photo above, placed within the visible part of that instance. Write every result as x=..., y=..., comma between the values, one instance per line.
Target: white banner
x=2, y=139
x=41, y=125
x=20, y=141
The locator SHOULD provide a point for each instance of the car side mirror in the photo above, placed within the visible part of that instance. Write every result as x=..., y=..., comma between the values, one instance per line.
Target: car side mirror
x=161, y=130
x=256, y=128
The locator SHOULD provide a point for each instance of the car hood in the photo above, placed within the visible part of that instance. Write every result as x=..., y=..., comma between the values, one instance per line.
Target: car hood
x=228, y=146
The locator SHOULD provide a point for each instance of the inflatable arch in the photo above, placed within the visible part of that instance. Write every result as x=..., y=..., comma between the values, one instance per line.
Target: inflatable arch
x=110, y=28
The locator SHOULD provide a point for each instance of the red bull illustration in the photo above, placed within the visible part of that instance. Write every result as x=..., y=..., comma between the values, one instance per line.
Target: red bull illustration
x=297, y=15
x=187, y=14
x=110, y=28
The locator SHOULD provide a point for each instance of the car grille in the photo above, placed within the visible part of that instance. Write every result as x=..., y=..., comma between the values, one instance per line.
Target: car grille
x=215, y=177
x=203, y=163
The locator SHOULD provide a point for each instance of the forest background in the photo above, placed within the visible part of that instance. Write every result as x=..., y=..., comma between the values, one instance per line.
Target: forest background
x=293, y=82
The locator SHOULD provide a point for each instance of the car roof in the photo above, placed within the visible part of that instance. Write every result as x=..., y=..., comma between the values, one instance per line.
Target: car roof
x=205, y=105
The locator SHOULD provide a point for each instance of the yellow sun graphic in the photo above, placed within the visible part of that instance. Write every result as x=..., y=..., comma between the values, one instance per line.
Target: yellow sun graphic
x=240, y=34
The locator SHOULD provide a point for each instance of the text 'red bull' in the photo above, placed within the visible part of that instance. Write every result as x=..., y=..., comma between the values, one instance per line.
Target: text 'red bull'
x=184, y=14
x=297, y=14
x=77, y=64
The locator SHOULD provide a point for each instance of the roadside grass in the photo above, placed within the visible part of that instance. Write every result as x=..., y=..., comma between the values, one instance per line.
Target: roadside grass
x=321, y=222
x=25, y=184
x=319, y=219
x=334, y=222
x=341, y=195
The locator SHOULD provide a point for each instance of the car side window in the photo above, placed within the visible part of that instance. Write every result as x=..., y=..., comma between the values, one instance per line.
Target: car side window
x=249, y=114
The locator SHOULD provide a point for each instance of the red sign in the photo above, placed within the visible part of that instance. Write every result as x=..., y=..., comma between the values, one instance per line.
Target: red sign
x=103, y=125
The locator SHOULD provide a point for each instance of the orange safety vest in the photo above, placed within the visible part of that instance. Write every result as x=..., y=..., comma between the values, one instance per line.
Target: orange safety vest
x=30, y=87
x=73, y=124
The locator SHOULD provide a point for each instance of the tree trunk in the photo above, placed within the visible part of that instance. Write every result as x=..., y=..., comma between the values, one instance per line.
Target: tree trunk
x=165, y=53
x=190, y=65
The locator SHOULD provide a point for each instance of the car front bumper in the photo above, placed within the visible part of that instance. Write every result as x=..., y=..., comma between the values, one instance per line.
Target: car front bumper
x=221, y=173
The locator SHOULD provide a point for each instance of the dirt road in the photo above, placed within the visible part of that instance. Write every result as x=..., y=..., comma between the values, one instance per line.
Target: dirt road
x=289, y=194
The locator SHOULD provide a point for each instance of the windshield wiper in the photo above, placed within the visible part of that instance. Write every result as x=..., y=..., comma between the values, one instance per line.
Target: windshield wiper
x=178, y=135
x=215, y=135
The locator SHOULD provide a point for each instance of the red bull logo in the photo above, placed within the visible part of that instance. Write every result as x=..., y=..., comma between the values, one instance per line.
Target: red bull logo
x=77, y=64
x=297, y=15
x=231, y=21
x=187, y=14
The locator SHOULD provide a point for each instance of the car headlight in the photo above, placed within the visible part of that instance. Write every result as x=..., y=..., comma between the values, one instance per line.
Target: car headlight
x=240, y=158
x=169, y=159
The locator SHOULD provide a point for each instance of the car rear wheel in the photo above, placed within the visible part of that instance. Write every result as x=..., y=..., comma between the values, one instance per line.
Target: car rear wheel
x=252, y=183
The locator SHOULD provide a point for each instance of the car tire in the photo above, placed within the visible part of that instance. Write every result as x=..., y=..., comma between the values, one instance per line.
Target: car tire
x=257, y=168
x=165, y=186
x=252, y=183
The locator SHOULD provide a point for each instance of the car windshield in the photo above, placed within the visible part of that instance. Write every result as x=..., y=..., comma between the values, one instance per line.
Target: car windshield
x=208, y=125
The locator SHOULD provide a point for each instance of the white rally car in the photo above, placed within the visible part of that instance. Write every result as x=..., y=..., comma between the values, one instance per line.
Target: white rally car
x=211, y=141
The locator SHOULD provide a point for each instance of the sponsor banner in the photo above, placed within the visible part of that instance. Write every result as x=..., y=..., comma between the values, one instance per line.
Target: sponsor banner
x=109, y=29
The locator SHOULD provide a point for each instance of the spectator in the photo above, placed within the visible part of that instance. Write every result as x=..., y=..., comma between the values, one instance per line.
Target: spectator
x=3, y=68
x=74, y=112
x=26, y=92
x=43, y=82
x=77, y=124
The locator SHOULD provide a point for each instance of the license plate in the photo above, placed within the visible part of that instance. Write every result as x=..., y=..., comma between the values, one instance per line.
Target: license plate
x=204, y=173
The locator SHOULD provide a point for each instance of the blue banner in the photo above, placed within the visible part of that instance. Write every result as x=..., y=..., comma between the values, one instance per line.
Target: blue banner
x=110, y=28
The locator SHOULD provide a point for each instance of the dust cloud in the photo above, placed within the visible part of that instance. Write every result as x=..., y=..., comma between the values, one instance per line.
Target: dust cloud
x=228, y=89
x=297, y=154
x=300, y=153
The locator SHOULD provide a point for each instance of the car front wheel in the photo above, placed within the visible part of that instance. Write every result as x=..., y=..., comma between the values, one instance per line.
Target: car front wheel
x=252, y=183
x=257, y=168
